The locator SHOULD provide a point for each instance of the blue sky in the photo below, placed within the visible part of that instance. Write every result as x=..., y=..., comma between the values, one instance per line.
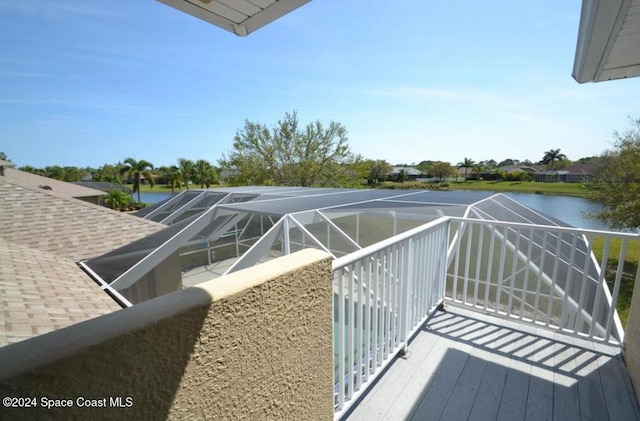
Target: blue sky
x=88, y=83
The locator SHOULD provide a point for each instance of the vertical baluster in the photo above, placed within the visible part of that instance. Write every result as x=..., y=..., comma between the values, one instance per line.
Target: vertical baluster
x=543, y=253
x=554, y=276
x=456, y=264
x=368, y=309
x=492, y=242
x=527, y=267
x=479, y=255
x=394, y=298
x=616, y=289
x=424, y=276
x=350, y=330
x=375, y=308
x=584, y=284
x=568, y=284
x=600, y=291
x=503, y=251
x=386, y=310
x=514, y=267
x=359, y=326
x=430, y=277
x=341, y=336
x=467, y=263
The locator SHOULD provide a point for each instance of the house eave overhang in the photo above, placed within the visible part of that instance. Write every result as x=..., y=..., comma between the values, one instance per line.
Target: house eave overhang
x=240, y=17
x=608, y=44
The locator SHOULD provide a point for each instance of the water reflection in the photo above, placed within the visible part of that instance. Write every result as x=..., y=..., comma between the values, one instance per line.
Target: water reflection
x=571, y=210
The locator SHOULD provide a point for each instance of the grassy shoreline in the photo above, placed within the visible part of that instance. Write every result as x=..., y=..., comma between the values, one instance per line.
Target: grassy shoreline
x=532, y=187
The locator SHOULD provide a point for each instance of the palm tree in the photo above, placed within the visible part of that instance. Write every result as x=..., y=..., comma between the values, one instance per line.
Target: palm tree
x=186, y=168
x=173, y=176
x=136, y=170
x=551, y=156
x=117, y=199
x=466, y=164
x=200, y=172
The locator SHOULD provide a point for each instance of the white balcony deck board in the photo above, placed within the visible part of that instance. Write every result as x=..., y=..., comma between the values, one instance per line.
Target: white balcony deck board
x=468, y=366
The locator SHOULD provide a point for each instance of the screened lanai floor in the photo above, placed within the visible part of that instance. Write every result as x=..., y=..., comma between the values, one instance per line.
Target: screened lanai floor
x=464, y=365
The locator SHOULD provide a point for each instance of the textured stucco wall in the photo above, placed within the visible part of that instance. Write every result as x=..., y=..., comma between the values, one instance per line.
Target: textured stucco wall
x=257, y=345
x=632, y=339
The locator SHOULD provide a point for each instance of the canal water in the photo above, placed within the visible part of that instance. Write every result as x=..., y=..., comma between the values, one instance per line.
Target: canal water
x=572, y=210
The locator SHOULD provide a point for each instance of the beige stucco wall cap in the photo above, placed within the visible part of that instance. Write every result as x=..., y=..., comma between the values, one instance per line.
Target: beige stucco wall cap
x=32, y=353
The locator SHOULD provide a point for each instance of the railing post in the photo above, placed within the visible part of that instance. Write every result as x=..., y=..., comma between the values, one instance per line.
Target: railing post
x=407, y=281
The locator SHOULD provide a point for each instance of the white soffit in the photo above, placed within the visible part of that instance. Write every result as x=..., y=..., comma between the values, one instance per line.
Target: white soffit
x=608, y=41
x=238, y=16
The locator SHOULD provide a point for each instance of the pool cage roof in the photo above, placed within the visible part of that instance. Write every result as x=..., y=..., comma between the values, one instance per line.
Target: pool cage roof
x=214, y=232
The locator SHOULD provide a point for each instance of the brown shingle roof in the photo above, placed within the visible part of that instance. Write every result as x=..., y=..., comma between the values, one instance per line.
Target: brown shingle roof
x=42, y=236
x=37, y=181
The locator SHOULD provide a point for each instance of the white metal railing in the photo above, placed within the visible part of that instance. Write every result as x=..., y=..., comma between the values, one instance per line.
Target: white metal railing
x=382, y=295
x=547, y=276
x=544, y=275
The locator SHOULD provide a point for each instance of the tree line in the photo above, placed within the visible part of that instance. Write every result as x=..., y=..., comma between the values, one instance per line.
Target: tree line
x=292, y=154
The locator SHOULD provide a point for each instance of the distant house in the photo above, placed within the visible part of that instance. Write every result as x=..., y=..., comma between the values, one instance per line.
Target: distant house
x=410, y=172
x=494, y=174
x=104, y=186
x=510, y=169
x=576, y=173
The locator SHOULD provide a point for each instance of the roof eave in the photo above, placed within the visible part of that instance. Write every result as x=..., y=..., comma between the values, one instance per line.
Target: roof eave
x=252, y=23
x=600, y=24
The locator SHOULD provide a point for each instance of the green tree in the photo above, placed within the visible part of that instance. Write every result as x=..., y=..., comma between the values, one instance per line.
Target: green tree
x=54, y=171
x=134, y=170
x=402, y=176
x=441, y=170
x=186, y=168
x=204, y=173
x=551, y=157
x=109, y=173
x=488, y=164
x=3, y=156
x=617, y=184
x=288, y=154
x=32, y=170
x=466, y=164
x=378, y=171
x=117, y=199
x=173, y=176
x=71, y=174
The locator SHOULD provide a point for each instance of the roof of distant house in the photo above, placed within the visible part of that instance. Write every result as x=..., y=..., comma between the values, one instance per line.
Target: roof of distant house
x=582, y=168
x=42, y=236
x=518, y=168
x=104, y=186
x=407, y=170
x=28, y=179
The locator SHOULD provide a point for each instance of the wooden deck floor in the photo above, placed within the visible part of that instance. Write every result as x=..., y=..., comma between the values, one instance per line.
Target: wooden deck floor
x=469, y=366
